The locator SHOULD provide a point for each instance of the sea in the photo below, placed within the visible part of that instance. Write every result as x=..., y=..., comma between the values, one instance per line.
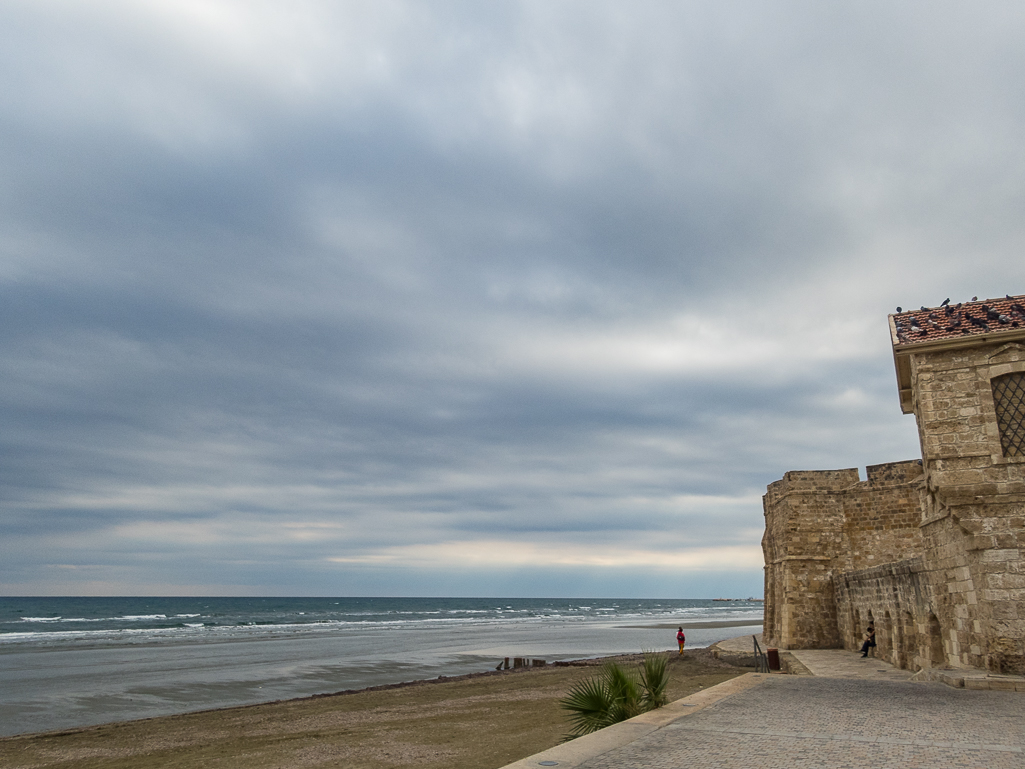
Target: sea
x=72, y=662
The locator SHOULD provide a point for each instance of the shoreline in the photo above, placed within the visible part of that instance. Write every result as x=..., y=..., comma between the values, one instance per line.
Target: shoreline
x=107, y=686
x=708, y=625
x=583, y=662
x=424, y=723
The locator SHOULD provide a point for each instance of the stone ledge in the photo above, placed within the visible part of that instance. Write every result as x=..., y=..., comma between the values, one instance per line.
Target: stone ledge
x=970, y=679
x=793, y=666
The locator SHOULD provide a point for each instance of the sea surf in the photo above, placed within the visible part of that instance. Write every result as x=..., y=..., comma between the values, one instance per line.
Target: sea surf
x=69, y=662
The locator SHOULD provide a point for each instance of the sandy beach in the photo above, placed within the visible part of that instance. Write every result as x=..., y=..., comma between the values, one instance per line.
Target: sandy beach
x=478, y=721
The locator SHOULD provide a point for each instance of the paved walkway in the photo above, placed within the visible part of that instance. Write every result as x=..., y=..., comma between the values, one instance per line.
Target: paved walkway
x=837, y=663
x=851, y=714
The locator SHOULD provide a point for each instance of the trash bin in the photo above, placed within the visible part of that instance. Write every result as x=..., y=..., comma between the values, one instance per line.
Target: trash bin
x=773, y=656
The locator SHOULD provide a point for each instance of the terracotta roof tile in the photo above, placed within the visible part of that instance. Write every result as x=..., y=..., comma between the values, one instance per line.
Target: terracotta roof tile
x=956, y=321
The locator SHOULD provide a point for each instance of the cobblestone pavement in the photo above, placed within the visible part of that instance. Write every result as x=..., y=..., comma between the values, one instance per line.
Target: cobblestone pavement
x=831, y=723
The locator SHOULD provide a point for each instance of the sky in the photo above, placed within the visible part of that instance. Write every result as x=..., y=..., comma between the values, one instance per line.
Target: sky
x=472, y=299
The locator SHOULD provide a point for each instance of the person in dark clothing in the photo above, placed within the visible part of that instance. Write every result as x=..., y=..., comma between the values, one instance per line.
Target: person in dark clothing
x=870, y=640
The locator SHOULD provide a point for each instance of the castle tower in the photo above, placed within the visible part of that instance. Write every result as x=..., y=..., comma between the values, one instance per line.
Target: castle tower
x=961, y=372
x=803, y=537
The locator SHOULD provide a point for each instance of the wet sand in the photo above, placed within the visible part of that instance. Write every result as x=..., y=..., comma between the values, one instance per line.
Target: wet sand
x=477, y=721
x=710, y=625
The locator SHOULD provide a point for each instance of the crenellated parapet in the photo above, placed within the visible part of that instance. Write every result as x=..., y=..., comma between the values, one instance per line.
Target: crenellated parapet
x=820, y=522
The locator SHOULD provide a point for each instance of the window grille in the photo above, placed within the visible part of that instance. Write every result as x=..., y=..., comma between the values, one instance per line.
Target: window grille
x=1009, y=397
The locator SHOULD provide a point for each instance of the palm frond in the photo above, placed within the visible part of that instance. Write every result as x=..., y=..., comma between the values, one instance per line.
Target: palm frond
x=654, y=680
x=612, y=696
x=590, y=704
x=626, y=695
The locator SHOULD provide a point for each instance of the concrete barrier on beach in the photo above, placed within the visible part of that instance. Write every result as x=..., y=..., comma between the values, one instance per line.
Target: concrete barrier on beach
x=520, y=662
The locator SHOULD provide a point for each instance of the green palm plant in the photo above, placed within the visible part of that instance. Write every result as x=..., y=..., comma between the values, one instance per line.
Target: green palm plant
x=654, y=680
x=615, y=695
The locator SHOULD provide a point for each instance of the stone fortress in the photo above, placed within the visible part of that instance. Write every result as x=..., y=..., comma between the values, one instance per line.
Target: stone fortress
x=932, y=551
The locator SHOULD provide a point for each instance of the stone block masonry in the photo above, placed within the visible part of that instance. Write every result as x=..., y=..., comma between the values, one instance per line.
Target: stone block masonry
x=933, y=550
x=821, y=523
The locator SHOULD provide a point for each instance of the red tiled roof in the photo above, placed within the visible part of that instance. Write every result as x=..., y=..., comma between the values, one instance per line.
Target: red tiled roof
x=955, y=321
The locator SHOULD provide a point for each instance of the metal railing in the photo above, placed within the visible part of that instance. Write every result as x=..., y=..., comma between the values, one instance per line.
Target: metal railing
x=761, y=659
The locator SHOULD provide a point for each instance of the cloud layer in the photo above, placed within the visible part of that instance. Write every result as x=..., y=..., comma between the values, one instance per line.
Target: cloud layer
x=515, y=298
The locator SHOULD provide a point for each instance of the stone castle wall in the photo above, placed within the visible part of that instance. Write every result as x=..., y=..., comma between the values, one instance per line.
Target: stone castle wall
x=802, y=535
x=974, y=508
x=931, y=551
x=818, y=523
x=898, y=598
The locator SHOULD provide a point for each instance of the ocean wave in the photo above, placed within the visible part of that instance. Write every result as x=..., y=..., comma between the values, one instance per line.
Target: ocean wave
x=123, y=618
x=184, y=631
x=216, y=620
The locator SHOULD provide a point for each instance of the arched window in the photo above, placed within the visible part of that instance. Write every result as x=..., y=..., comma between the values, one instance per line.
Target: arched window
x=1009, y=399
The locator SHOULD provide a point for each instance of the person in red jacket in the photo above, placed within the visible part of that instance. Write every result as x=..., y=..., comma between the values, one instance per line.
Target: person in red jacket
x=681, y=638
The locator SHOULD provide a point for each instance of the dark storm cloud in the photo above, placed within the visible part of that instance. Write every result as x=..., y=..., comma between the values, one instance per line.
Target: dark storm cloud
x=453, y=299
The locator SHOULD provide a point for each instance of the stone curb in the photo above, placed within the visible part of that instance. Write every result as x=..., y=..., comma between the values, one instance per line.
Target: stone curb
x=973, y=680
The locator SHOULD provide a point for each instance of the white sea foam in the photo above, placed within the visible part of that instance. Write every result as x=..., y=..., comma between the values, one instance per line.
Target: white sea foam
x=275, y=621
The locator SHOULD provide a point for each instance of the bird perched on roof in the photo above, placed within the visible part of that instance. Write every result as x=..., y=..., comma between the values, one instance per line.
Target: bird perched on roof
x=945, y=302
x=975, y=298
x=977, y=322
x=899, y=310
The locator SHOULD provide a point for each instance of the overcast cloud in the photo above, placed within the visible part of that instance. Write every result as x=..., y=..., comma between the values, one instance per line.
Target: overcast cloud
x=394, y=298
